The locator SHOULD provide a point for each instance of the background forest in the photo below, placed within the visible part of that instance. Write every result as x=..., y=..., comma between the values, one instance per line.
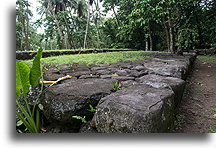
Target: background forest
x=172, y=25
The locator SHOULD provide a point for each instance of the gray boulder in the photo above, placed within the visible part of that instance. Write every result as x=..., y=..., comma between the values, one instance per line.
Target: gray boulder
x=174, y=67
x=157, y=81
x=62, y=101
x=137, y=109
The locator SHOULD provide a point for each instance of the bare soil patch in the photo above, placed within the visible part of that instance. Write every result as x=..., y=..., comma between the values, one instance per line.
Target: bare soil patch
x=196, y=113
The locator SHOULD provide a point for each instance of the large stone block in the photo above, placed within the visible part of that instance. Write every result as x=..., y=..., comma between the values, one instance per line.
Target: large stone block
x=137, y=109
x=173, y=67
x=60, y=102
x=157, y=81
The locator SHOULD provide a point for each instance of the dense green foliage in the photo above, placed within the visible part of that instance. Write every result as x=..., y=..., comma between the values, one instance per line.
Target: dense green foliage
x=26, y=36
x=164, y=24
x=27, y=77
x=145, y=24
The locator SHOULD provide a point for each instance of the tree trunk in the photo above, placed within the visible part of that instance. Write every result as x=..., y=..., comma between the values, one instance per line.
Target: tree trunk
x=179, y=48
x=27, y=32
x=57, y=23
x=23, y=27
x=150, y=39
x=167, y=34
x=51, y=45
x=171, y=35
x=71, y=40
x=117, y=20
x=87, y=26
x=147, y=45
x=96, y=24
x=70, y=36
x=150, y=43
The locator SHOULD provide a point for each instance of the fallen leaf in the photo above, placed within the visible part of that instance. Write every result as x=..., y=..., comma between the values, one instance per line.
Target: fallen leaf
x=115, y=74
x=205, y=63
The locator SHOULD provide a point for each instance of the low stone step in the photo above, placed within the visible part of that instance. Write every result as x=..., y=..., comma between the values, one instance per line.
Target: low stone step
x=157, y=81
x=139, y=108
x=174, y=68
x=60, y=102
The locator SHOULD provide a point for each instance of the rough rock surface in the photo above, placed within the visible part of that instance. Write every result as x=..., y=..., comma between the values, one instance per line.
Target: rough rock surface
x=60, y=102
x=176, y=84
x=138, y=109
x=174, y=68
x=152, y=91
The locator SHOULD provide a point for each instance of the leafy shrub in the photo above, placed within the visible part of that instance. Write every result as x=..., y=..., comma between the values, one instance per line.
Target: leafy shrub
x=27, y=78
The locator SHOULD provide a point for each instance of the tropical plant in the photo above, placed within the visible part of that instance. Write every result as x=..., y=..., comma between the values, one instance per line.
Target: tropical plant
x=80, y=118
x=117, y=85
x=27, y=78
x=92, y=109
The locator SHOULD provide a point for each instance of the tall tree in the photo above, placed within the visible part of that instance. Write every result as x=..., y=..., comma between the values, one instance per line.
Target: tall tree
x=22, y=22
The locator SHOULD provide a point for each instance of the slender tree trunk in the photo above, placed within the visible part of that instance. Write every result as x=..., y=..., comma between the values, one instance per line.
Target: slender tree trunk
x=23, y=27
x=171, y=35
x=74, y=42
x=27, y=32
x=147, y=45
x=87, y=27
x=70, y=40
x=167, y=39
x=167, y=34
x=57, y=23
x=150, y=39
x=65, y=41
x=23, y=34
x=117, y=20
x=150, y=43
x=96, y=24
x=51, y=45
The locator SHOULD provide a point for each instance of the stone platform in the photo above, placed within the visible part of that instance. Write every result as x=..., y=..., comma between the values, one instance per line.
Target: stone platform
x=150, y=91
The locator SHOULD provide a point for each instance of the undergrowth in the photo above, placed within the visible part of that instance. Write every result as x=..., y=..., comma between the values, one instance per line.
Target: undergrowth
x=27, y=78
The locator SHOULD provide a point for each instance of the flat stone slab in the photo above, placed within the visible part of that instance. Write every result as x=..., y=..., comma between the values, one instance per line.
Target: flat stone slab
x=60, y=102
x=137, y=109
x=157, y=81
x=173, y=67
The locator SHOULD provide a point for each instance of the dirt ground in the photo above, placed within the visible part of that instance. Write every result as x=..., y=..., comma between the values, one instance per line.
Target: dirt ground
x=196, y=113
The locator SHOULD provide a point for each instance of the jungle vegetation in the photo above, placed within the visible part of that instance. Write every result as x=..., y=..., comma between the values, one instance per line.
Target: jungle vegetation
x=150, y=25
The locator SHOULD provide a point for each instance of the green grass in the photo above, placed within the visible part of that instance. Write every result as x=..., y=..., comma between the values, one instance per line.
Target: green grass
x=212, y=130
x=212, y=109
x=207, y=117
x=109, y=57
x=209, y=59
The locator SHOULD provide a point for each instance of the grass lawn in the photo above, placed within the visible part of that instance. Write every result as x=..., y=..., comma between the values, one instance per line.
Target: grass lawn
x=209, y=59
x=95, y=58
